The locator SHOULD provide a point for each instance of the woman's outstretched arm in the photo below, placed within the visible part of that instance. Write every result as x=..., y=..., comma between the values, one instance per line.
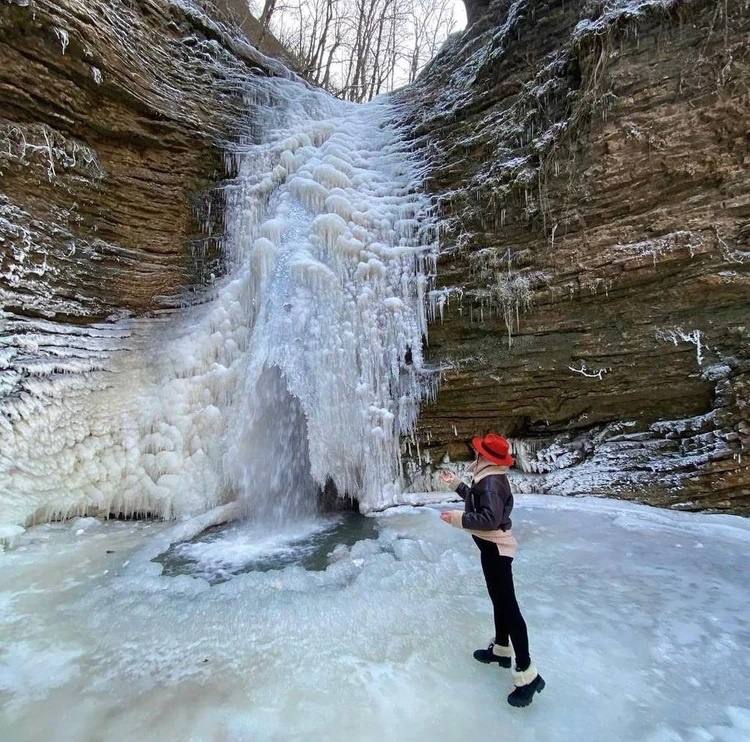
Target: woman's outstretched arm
x=453, y=481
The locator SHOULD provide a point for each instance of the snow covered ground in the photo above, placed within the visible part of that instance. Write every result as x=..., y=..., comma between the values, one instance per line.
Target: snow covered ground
x=638, y=622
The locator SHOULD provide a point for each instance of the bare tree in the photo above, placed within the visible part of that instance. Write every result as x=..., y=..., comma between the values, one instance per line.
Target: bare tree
x=267, y=13
x=431, y=23
x=358, y=49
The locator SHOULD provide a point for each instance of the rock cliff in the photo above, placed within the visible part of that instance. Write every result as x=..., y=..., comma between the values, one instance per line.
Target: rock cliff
x=589, y=161
x=591, y=165
x=111, y=125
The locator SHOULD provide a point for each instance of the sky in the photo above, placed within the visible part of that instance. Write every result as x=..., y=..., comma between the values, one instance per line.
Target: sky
x=460, y=14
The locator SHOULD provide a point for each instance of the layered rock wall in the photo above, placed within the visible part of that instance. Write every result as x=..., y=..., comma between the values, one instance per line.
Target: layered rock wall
x=111, y=127
x=591, y=165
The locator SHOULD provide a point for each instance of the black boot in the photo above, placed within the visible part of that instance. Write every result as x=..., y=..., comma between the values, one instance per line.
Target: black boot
x=527, y=682
x=494, y=653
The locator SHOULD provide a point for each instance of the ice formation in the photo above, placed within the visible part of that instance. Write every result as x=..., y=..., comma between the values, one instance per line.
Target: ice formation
x=304, y=365
x=679, y=335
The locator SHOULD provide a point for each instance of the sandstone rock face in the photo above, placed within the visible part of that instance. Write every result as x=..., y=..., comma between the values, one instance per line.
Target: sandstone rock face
x=591, y=165
x=111, y=125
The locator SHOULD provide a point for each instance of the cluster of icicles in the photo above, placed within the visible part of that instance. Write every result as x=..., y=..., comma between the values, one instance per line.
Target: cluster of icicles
x=303, y=366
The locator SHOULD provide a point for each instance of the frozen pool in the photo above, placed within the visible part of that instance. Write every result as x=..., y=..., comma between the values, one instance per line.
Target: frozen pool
x=638, y=621
x=229, y=549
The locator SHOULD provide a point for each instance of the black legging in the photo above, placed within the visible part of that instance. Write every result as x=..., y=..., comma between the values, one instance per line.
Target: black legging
x=498, y=574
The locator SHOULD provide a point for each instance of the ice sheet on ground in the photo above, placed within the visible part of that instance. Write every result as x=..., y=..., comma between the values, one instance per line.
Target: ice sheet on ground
x=638, y=621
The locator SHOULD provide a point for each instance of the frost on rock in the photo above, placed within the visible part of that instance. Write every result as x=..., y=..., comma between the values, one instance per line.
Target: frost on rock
x=678, y=335
x=303, y=366
x=37, y=258
x=663, y=246
x=38, y=145
x=585, y=371
x=672, y=449
x=63, y=37
x=615, y=11
x=507, y=292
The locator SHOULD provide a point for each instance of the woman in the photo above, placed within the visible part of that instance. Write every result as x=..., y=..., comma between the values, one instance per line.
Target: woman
x=486, y=516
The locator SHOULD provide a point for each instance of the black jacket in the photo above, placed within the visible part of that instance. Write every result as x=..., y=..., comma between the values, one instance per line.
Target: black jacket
x=488, y=504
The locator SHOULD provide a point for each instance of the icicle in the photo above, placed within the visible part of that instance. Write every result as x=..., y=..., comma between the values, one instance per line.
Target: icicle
x=63, y=38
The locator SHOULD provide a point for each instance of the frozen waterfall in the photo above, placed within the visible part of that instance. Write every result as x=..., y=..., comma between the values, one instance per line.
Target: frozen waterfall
x=303, y=365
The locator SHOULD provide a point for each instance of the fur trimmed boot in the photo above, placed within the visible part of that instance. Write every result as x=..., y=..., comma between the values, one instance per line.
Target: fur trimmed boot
x=494, y=653
x=527, y=682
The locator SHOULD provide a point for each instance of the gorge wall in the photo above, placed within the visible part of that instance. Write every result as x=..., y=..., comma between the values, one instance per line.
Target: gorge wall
x=589, y=162
x=111, y=125
x=591, y=165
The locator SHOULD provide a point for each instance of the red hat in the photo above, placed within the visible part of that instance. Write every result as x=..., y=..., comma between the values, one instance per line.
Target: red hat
x=494, y=448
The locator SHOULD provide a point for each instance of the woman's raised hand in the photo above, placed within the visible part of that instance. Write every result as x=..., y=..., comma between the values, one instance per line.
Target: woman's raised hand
x=449, y=478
